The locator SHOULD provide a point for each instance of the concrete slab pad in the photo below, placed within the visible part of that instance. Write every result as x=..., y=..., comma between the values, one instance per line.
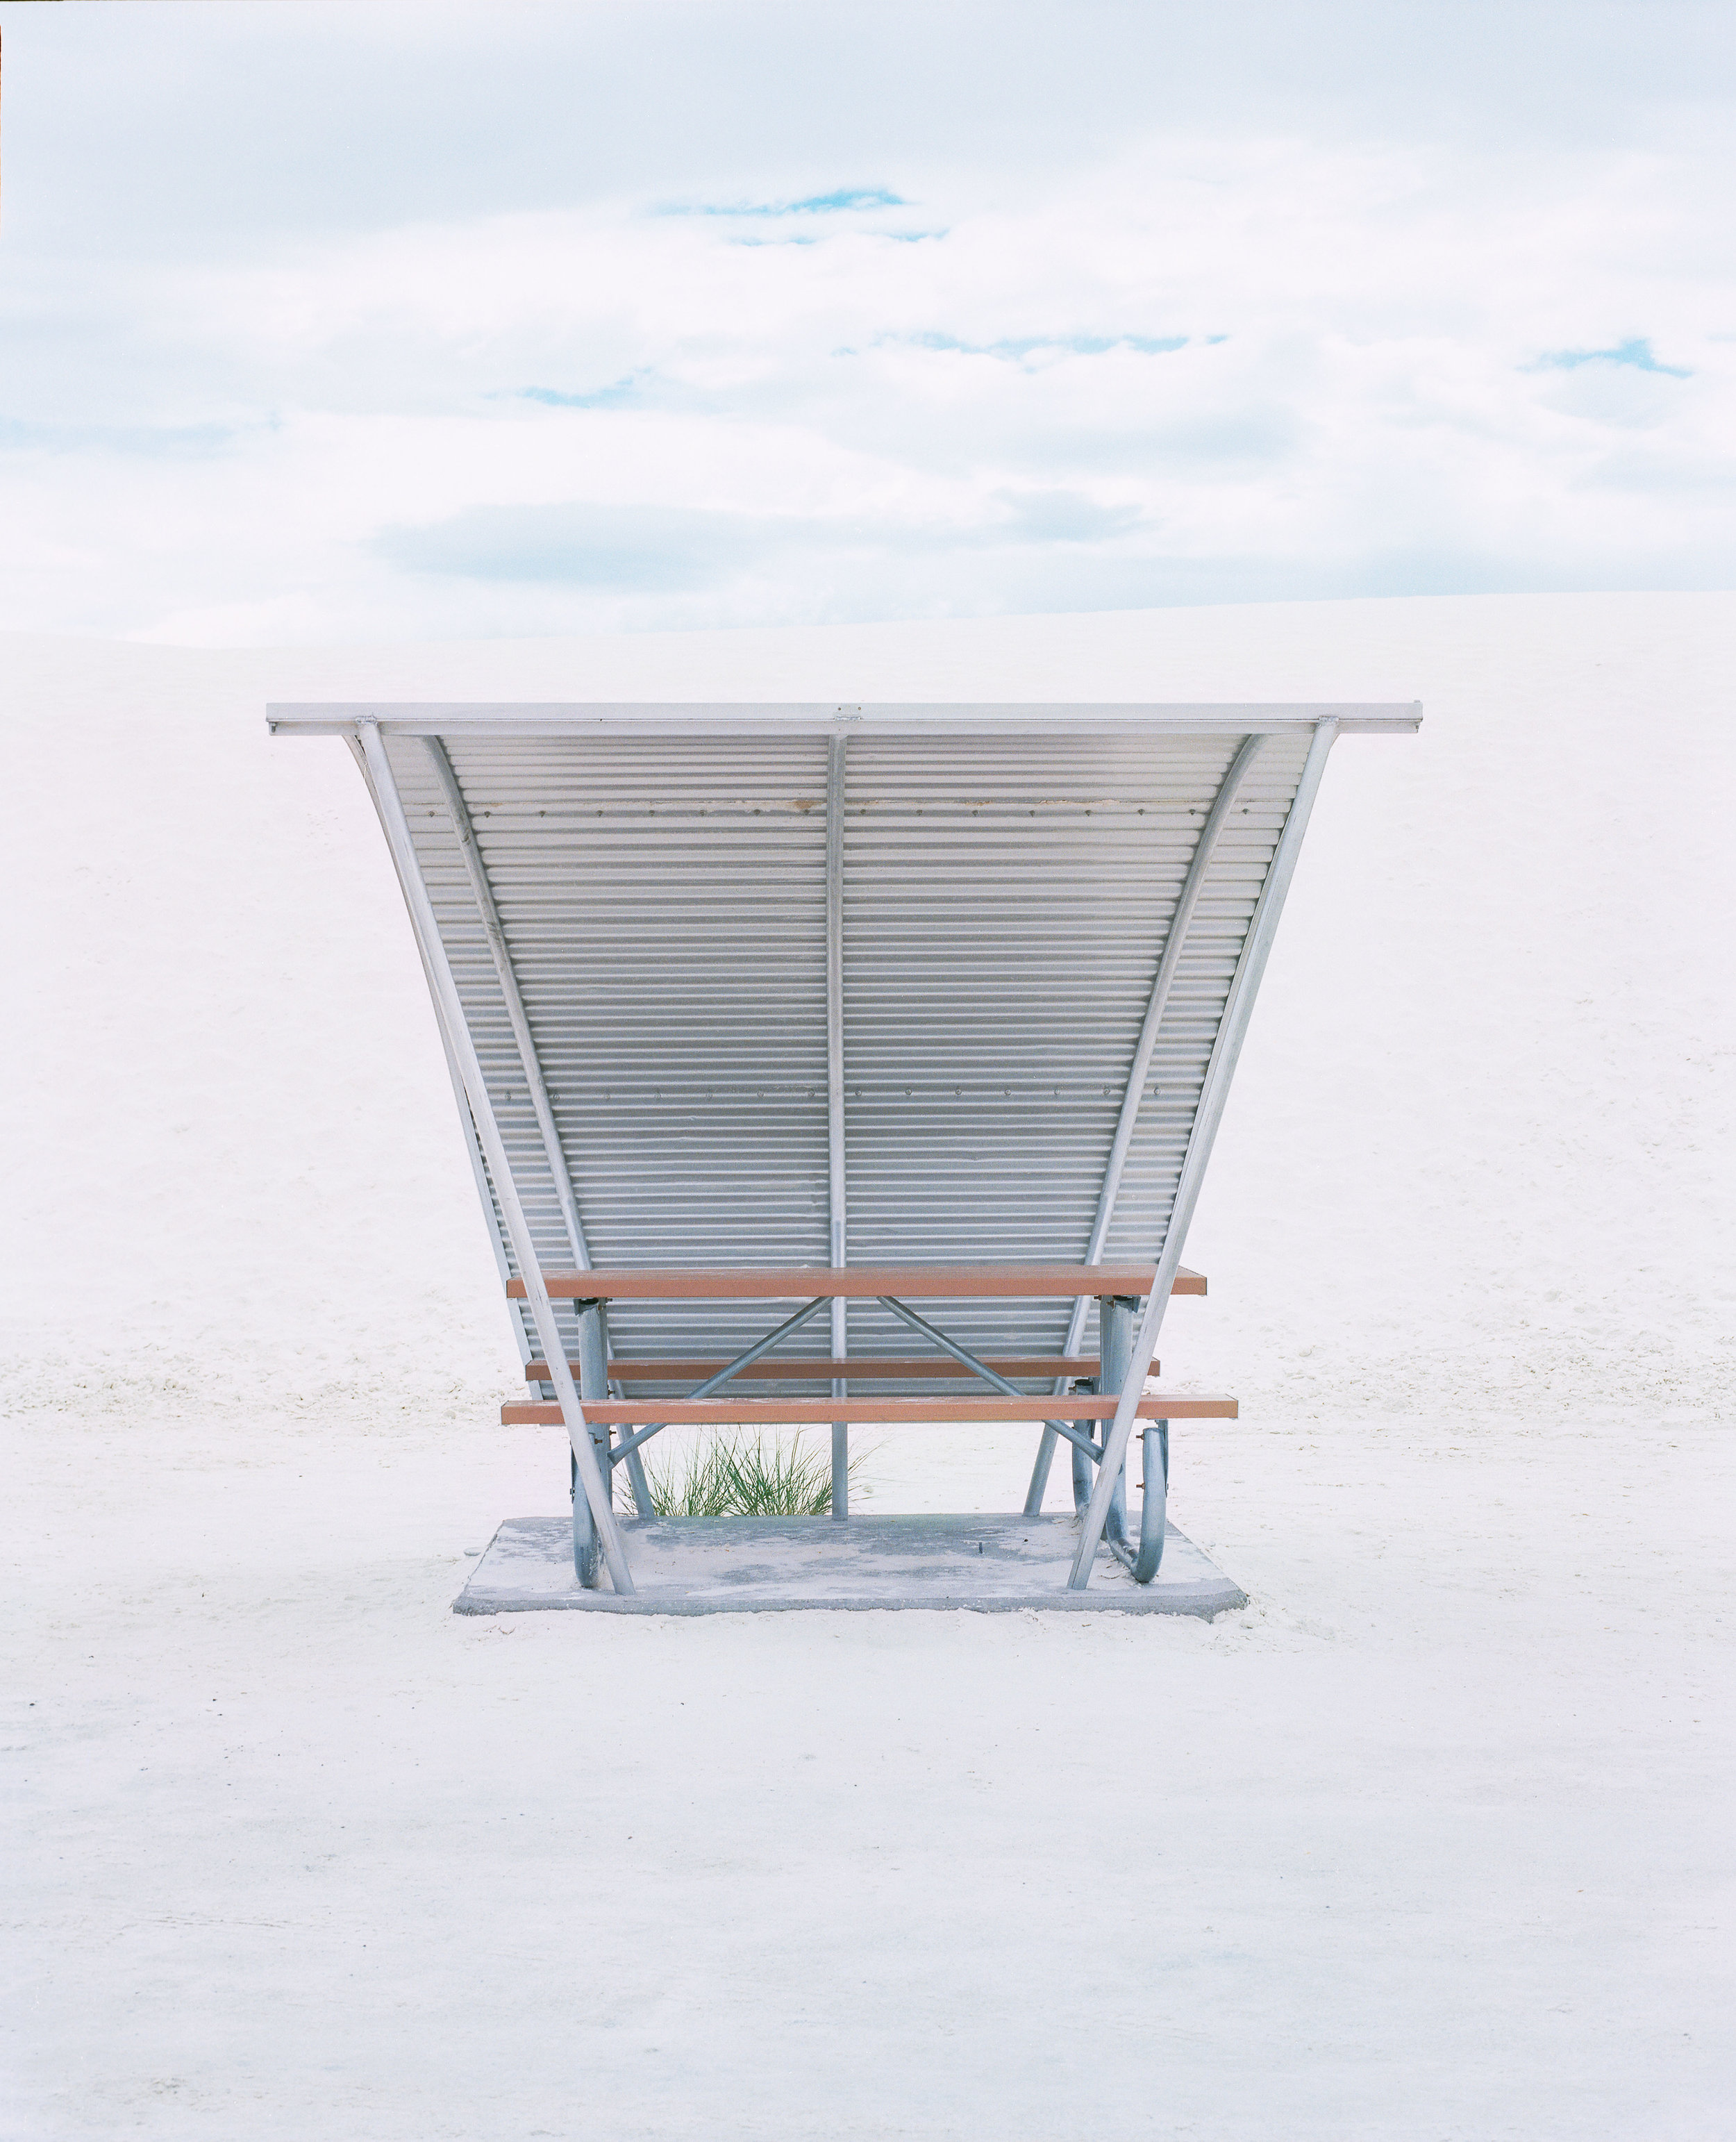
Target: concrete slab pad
x=985, y=1565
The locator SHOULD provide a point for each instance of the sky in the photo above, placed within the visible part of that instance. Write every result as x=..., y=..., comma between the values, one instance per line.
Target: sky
x=381, y=320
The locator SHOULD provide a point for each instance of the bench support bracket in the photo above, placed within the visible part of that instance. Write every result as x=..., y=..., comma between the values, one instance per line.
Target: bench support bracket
x=629, y=1444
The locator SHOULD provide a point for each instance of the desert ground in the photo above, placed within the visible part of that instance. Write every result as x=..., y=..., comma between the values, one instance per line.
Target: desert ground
x=1429, y=1844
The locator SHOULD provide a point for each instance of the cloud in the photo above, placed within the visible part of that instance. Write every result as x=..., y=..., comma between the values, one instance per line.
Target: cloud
x=184, y=132
x=586, y=546
x=1148, y=353
x=589, y=546
x=1065, y=517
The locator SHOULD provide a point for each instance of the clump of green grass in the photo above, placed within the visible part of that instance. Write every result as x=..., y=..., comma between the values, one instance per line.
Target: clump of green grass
x=742, y=1477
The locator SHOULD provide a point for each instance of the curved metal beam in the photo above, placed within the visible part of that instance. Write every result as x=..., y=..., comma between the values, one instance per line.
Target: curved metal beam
x=1232, y=1031
x=496, y=1241
x=451, y=1010
x=1175, y=945
x=519, y=1020
x=517, y=1017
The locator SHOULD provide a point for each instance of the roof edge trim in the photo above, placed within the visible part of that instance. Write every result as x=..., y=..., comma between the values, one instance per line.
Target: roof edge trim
x=749, y=718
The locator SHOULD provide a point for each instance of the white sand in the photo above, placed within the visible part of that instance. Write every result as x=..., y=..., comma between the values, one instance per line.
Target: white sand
x=1432, y=1841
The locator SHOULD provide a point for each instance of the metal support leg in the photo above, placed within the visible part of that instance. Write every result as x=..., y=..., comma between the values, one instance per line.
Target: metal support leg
x=632, y=1457
x=1115, y=1316
x=587, y=1547
x=1040, y=1471
x=1084, y=1474
x=593, y=1384
x=640, y=1485
x=1153, y=1518
x=840, y=1428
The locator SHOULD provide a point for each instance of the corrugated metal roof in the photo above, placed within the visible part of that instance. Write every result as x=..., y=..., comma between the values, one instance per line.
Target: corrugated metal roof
x=1009, y=879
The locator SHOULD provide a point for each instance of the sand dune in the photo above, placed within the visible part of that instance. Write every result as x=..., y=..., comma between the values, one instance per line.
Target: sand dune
x=1426, y=1843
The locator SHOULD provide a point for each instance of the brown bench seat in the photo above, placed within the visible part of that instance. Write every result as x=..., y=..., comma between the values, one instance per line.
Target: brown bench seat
x=867, y=1369
x=887, y=1412
x=857, y=1282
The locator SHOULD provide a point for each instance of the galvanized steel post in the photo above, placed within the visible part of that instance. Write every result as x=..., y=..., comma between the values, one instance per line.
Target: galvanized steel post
x=1154, y=1511
x=837, y=1173
x=1083, y=1478
x=593, y=1384
x=1115, y=1317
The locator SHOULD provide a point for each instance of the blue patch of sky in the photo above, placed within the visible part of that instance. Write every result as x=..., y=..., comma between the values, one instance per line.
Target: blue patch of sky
x=173, y=442
x=1080, y=345
x=582, y=543
x=1638, y=353
x=612, y=396
x=843, y=199
x=816, y=238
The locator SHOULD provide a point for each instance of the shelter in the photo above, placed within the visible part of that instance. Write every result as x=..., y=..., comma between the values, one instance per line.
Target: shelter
x=767, y=1023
